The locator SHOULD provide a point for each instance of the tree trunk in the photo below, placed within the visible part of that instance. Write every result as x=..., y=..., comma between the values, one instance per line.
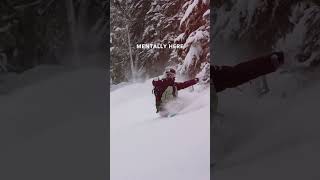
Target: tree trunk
x=130, y=54
x=72, y=27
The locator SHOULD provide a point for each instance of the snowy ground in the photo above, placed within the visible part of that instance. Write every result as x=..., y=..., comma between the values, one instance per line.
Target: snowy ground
x=54, y=128
x=272, y=137
x=144, y=146
x=53, y=125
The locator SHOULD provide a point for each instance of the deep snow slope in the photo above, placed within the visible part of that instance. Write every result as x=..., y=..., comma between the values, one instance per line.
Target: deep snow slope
x=144, y=146
x=55, y=128
x=272, y=137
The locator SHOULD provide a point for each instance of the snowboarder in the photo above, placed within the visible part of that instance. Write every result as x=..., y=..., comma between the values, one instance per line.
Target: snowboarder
x=223, y=77
x=166, y=90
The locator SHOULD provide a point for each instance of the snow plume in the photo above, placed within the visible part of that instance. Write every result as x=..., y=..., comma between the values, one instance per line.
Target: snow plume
x=147, y=147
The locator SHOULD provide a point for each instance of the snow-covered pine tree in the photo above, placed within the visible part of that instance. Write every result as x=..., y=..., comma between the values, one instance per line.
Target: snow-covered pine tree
x=271, y=25
x=195, y=27
x=159, y=21
x=162, y=23
x=39, y=32
x=256, y=27
x=119, y=49
x=127, y=20
x=116, y=65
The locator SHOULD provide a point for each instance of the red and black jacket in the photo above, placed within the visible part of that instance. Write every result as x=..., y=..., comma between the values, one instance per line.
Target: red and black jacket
x=224, y=77
x=161, y=85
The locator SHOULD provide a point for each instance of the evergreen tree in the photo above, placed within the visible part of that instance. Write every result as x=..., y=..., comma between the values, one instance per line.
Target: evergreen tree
x=159, y=22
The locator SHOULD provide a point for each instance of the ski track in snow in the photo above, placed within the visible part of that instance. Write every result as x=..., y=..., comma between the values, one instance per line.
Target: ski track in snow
x=146, y=147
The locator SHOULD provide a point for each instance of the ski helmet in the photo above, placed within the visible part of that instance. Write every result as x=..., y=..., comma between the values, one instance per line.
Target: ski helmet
x=170, y=73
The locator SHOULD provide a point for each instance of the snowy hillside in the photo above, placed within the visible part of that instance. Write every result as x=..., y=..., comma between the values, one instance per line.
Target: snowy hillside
x=52, y=125
x=146, y=147
x=272, y=137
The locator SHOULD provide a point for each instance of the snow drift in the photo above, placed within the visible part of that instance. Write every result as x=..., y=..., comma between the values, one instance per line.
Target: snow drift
x=145, y=146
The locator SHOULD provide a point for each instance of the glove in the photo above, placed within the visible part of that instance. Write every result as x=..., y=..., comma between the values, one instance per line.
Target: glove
x=197, y=79
x=277, y=59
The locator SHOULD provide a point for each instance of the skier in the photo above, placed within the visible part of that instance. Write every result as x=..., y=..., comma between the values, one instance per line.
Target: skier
x=166, y=90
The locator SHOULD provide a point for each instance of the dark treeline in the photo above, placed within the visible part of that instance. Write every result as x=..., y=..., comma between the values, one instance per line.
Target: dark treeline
x=34, y=32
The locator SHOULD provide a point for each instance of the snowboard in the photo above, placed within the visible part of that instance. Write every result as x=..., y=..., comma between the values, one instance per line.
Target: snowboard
x=172, y=115
x=167, y=116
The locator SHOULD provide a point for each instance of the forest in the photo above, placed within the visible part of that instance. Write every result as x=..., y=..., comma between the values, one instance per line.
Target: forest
x=159, y=21
x=37, y=32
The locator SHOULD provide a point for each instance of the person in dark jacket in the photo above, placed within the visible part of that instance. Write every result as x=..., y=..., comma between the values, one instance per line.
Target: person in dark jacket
x=166, y=90
x=223, y=77
x=231, y=76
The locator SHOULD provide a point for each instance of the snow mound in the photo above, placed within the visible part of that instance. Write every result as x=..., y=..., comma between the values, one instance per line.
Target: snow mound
x=145, y=146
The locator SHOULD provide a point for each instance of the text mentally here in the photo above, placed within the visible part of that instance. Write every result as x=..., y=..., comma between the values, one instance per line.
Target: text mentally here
x=159, y=46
